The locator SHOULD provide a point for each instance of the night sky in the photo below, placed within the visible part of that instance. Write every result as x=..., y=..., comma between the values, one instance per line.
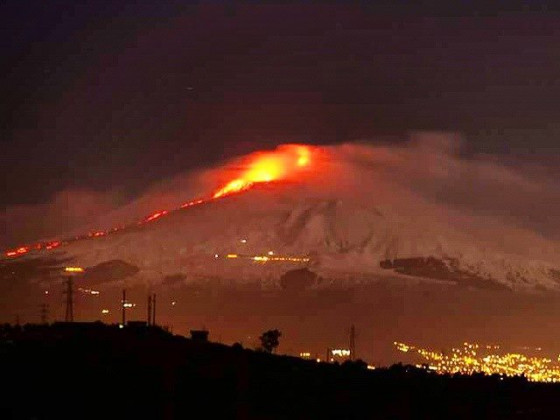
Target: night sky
x=100, y=95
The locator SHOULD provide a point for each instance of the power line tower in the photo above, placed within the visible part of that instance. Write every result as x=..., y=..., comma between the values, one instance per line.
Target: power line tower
x=153, y=310
x=124, y=304
x=352, y=342
x=70, y=272
x=149, y=309
x=69, y=292
x=44, y=313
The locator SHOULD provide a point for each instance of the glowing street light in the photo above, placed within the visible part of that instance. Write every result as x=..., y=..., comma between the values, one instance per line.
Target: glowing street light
x=340, y=352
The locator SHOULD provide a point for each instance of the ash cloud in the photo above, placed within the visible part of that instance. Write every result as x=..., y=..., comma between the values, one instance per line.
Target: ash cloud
x=78, y=211
x=431, y=166
x=67, y=210
x=511, y=203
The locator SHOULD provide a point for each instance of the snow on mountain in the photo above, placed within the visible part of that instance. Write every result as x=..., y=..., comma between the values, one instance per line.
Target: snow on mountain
x=338, y=238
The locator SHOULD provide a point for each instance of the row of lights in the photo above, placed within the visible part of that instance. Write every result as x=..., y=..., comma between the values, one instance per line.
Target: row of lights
x=265, y=258
x=334, y=352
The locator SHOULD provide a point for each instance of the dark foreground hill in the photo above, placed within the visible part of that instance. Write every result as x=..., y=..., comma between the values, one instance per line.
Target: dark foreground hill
x=97, y=371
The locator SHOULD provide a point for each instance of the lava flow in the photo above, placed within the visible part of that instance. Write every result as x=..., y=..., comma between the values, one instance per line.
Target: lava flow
x=284, y=163
x=268, y=167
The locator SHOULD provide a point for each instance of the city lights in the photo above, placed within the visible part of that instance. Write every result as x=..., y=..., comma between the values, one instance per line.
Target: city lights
x=74, y=269
x=340, y=352
x=474, y=358
x=269, y=257
x=89, y=291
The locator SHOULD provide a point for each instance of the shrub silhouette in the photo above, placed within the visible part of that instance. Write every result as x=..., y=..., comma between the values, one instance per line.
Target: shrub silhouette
x=270, y=340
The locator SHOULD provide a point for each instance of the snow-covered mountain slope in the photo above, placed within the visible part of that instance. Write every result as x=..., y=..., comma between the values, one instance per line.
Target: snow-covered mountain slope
x=248, y=237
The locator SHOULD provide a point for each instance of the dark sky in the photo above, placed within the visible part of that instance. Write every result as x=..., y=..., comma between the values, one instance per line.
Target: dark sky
x=102, y=95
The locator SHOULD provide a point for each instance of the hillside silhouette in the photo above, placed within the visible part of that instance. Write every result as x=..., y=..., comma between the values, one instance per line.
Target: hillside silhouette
x=94, y=370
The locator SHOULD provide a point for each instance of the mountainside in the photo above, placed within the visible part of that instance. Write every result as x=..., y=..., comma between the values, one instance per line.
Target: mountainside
x=260, y=234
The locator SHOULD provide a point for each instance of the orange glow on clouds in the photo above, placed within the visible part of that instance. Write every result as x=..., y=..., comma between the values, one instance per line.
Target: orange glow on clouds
x=280, y=164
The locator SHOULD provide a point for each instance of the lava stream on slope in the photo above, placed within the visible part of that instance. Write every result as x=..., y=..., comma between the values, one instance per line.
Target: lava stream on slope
x=286, y=162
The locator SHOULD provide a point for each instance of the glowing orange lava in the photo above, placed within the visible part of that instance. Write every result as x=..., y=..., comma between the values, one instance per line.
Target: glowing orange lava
x=285, y=163
x=269, y=166
x=154, y=216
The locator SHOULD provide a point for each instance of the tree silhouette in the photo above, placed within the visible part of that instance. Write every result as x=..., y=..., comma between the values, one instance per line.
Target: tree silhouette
x=270, y=340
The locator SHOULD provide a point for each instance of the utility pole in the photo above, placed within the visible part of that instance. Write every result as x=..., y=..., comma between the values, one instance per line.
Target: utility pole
x=69, y=317
x=124, y=307
x=154, y=309
x=328, y=355
x=70, y=272
x=352, y=342
x=44, y=313
x=149, y=309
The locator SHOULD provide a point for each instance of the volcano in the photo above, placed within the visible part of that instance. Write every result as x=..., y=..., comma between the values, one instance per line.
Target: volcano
x=271, y=219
